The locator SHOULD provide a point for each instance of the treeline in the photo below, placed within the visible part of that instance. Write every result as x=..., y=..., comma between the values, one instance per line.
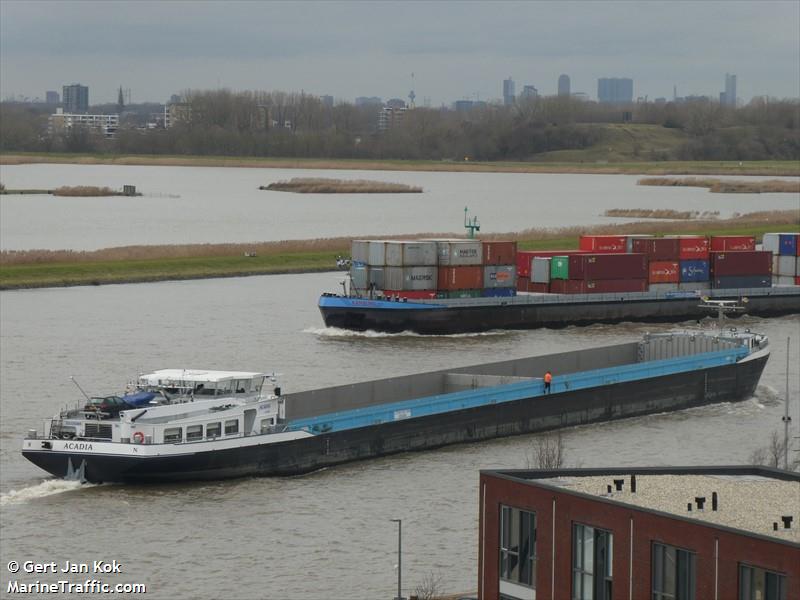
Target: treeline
x=277, y=124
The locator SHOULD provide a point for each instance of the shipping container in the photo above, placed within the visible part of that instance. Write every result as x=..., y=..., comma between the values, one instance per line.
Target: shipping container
x=664, y=272
x=411, y=254
x=694, y=270
x=359, y=277
x=376, y=277
x=781, y=243
x=540, y=269
x=359, y=251
x=635, y=236
x=499, y=276
x=559, y=267
x=657, y=248
x=797, y=280
x=455, y=253
x=459, y=293
x=692, y=247
x=664, y=287
x=526, y=285
x=567, y=286
x=377, y=253
x=410, y=294
x=525, y=258
x=499, y=253
x=782, y=280
x=724, y=264
x=499, y=292
x=733, y=243
x=410, y=278
x=460, y=278
x=604, y=244
x=609, y=286
x=785, y=266
x=742, y=281
x=694, y=285
x=608, y=266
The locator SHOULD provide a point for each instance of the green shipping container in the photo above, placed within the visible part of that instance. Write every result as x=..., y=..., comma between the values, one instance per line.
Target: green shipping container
x=559, y=267
x=461, y=294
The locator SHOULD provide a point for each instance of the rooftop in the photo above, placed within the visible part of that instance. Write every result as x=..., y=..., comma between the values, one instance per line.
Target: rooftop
x=196, y=375
x=749, y=499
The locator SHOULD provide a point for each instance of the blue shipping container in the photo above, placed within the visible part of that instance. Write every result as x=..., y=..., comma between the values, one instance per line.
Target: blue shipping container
x=694, y=270
x=788, y=244
x=499, y=292
x=743, y=281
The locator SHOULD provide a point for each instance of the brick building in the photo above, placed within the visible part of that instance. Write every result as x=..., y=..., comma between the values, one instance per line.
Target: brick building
x=677, y=533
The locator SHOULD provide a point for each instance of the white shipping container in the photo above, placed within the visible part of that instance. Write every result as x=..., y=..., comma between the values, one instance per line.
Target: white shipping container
x=377, y=253
x=784, y=266
x=781, y=280
x=359, y=277
x=771, y=242
x=500, y=276
x=410, y=278
x=410, y=254
x=663, y=287
x=540, y=269
x=459, y=253
x=376, y=277
x=359, y=251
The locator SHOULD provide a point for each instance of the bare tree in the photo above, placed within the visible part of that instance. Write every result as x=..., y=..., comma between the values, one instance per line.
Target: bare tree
x=547, y=452
x=430, y=588
x=770, y=455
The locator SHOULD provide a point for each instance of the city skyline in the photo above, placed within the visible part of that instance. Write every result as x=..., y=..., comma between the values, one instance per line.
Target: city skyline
x=346, y=50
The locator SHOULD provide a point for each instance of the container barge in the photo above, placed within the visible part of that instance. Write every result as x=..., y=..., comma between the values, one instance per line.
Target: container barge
x=248, y=428
x=458, y=286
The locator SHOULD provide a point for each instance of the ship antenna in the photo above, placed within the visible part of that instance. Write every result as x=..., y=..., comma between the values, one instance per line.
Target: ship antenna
x=85, y=395
x=471, y=225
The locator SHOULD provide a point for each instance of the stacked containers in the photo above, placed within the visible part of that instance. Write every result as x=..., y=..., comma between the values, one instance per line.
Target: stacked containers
x=662, y=255
x=410, y=270
x=460, y=268
x=693, y=257
x=741, y=269
x=499, y=268
x=733, y=243
x=598, y=273
x=785, y=249
x=604, y=244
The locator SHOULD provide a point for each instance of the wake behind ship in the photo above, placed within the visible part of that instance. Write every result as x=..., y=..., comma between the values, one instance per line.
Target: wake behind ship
x=200, y=425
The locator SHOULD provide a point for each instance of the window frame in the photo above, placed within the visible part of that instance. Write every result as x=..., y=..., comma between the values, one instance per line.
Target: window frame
x=780, y=579
x=519, y=545
x=170, y=438
x=215, y=426
x=687, y=591
x=193, y=436
x=228, y=422
x=585, y=549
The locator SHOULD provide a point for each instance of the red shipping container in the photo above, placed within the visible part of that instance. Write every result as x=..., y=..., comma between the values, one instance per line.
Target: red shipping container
x=797, y=280
x=410, y=294
x=604, y=244
x=526, y=285
x=693, y=247
x=567, y=286
x=499, y=253
x=657, y=248
x=724, y=264
x=664, y=272
x=735, y=243
x=525, y=257
x=460, y=278
x=609, y=286
x=608, y=266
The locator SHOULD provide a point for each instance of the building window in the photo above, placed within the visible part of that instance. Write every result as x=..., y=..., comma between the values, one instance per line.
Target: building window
x=231, y=427
x=518, y=546
x=760, y=584
x=213, y=430
x=673, y=573
x=592, y=552
x=173, y=434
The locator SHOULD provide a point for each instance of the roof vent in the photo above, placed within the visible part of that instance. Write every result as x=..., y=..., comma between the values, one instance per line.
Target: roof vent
x=689, y=509
x=633, y=484
x=608, y=490
x=714, y=501
x=700, y=500
x=774, y=526
x=618, y=483
x=787, y=521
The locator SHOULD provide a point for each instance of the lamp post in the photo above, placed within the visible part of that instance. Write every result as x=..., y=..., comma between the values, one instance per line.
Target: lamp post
x=399, y=557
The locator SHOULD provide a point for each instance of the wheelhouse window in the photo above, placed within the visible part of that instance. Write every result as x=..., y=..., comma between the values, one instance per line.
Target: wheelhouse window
x=267, y=424
x=231, y=427
x=592, y=551
x=194, y=432
x=518, y=546
x=759, y=584
x=173, y=434
x=213, y=430
x=673, y=573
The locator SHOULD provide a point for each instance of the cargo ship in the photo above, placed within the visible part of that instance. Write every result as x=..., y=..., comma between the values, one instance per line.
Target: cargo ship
x=237, y=425
x=461, y=286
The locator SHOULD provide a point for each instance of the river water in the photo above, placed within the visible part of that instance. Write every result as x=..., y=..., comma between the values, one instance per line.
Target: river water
x=320, y=536
x=217, y=205
x=327, y=534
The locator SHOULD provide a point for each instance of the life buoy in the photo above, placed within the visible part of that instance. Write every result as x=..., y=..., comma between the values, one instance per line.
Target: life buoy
x=138, y=437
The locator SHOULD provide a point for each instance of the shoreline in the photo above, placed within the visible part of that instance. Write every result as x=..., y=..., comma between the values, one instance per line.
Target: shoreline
x=752, y=168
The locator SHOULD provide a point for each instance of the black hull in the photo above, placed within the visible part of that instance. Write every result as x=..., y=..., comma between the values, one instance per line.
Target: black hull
x=442, y=321
x=666, y=393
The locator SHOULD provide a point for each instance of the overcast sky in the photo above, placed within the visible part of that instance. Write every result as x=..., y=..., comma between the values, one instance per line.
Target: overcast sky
x=456, y=50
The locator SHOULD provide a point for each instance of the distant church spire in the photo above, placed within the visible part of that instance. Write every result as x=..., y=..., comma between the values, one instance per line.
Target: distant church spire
x=120, y=101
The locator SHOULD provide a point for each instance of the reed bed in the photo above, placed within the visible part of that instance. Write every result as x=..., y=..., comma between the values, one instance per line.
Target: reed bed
x=321, y=185
x=85, y=191
x=727, y=186
x=660, y=213
x=294, y=248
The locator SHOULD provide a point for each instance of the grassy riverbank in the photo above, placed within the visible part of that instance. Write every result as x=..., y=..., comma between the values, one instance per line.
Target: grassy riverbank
x=766, y=168
x=32, y=269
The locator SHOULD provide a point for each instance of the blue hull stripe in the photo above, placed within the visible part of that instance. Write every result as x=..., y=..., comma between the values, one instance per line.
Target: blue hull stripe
x=444, y=403
x=361, y=303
